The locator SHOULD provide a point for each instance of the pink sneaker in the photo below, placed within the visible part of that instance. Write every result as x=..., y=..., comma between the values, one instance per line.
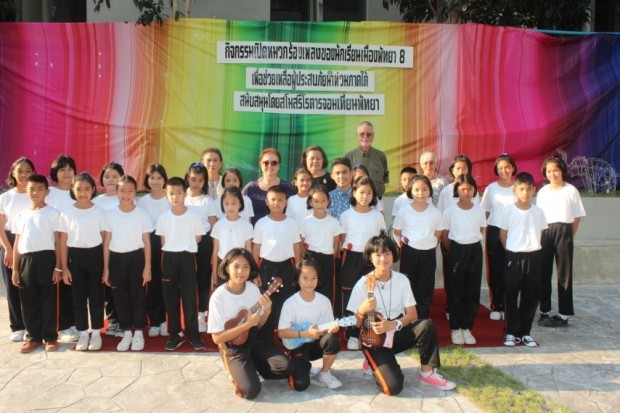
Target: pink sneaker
x=366, y=368
x=435, y=379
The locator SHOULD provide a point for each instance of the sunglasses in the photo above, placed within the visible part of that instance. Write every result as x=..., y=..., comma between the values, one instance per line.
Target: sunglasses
x=270, y=163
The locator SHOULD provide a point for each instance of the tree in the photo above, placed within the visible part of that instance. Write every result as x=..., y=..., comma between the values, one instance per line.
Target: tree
x=152, y=10
x=542, y=14
x=8, y=11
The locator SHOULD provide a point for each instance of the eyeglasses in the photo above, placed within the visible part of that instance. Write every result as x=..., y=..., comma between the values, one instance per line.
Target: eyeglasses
x=270, y=163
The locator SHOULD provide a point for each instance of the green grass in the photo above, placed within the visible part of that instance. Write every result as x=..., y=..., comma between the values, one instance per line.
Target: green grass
x=489, y=387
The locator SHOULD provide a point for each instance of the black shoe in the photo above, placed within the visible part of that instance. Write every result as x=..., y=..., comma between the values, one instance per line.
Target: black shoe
x=174, y=342
x=544, y=320
x=197, y=343
x=558, y=321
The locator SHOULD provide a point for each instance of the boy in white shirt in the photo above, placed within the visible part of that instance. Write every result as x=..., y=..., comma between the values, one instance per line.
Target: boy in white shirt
x=521, y=225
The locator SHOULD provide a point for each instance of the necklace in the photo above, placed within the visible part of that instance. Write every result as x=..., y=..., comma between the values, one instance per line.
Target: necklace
x=235, y=292
x=382, y=285
x=387, y=309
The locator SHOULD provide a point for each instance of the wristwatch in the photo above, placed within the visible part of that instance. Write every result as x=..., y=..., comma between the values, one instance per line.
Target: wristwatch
x=399, y=325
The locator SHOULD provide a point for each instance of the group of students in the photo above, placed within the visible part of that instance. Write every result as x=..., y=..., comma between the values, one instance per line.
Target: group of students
x=189, y=242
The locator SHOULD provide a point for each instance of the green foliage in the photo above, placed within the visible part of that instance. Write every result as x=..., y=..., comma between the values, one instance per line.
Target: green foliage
x=150, y=10
x=543, y=14
x=8, y=11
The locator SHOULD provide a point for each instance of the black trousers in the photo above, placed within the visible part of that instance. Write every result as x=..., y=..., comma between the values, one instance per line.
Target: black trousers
x=12, y=292
x=495, y=268
x=37, y=293
x=86, y=266
x=203, y=271
x=463, y=275
x=286, y=271
x=155, y=307
x=326, y=266
x=388, y=375
x=353, y=268
x=178, y=281
x=245, y=361
x=327, y=345
x=557, y=242
x=521, y=278
x=126, y=283
x=419, y=266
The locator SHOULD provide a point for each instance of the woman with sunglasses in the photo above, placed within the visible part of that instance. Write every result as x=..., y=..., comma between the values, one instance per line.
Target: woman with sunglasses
x=269, y=161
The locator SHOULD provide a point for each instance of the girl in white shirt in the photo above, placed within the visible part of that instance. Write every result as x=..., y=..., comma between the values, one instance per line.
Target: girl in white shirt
x=110, y=174
x=297, y=205
x=232, y=177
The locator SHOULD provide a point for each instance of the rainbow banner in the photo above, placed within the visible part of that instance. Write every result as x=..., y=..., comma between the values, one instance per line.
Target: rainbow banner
x=115, y=91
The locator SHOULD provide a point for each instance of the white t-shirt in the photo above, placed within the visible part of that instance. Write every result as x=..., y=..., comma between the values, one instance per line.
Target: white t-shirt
x=494, y=199
x=154, y=207
x=401, y=201
x=248, y=210
x=392, y=299
x=36, y=229
x=204, y=207
x=106, y=202
x=360, y=227
x=82, y=226
x=179, y=231
x=419, y=227
x=447, y=198
x=127, y=228
x=276, y=238
x=319, y=234
x=524, y=228
x=464, y=225
x=59, y=198
x=296, y=310
x=561, y=206
x=297, y=208
x=11, y=202
x=224, y=305
x=231, y=234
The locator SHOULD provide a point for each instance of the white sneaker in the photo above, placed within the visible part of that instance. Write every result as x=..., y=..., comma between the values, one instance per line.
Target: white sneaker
x=82, y=344
x=202, y=326
x=468, y=337
x=329, y=380
x=137, y=343
x=125, y=343
x=70, y=335
x=17, y=336
x=314, y=370
x=163, y=329
x=95, y=343
x=353, y=343
x=529, y=341
x=457, y=337
x=153, y=331
x=495, y=315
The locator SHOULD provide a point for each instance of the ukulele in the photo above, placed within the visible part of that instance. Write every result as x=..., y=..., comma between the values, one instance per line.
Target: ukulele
x=242, y=317
x=368, y=337
x=293, y=343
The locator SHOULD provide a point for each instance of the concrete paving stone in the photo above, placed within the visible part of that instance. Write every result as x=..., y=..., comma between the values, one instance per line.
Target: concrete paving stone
x=148, y=391
x=108, y=387
x=165, y=362
x=120, y=368
x=200, y=370
x=92, y=404
x=7, y=374
x=187, y=405
x=31, y=381
x=63, y=395
x=84, y=377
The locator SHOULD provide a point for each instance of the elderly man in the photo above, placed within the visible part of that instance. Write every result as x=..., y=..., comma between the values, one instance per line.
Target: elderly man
x=373, y=159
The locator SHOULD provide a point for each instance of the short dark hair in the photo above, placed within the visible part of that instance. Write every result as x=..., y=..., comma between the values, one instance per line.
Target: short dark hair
x=154, y=167
x=60, y=162
x=39, y=179
x=307, y=261
x=464, y=179
x=222, y=270
x=83, y=177
x=361, y=181
x=408, y=170
x=561, y=163
x=507, y=158
x=278, y=189
x=199, y=168
x=177, y=181
x=460, y=158
x=112, y=165
x=11, y=180
x=524, y=178
x=342, y=161
x=380, y=243
x=310, y=149
x=423, y=178
x=321, y=189
x=235, y=172
x=125, y=179
x=232, y=191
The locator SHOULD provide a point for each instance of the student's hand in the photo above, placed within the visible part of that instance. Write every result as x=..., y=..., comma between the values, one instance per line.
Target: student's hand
x=56, y=276
x=382, y=326
x=367, y=305
x=253, y=319
x=66, y=277
x=334, y=327
x=8, y=258
x=265, y=303
x=313, y=333
x=146, y=276
x=15, y=278
x=105, y=279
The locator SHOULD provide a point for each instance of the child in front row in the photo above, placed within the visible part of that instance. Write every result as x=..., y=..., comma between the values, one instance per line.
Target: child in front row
x=309, y=306
x=521, y=226
x=127, y=262
x=36, y=266
x=81, y=256
x=461, y=238
x=231, y=231
x=244, y=359
x=180, y=230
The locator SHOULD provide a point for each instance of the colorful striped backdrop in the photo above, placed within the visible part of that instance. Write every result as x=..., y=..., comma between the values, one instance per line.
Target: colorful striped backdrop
x=114, y=91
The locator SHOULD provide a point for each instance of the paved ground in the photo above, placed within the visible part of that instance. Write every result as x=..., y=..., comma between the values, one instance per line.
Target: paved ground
x=578, y=367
